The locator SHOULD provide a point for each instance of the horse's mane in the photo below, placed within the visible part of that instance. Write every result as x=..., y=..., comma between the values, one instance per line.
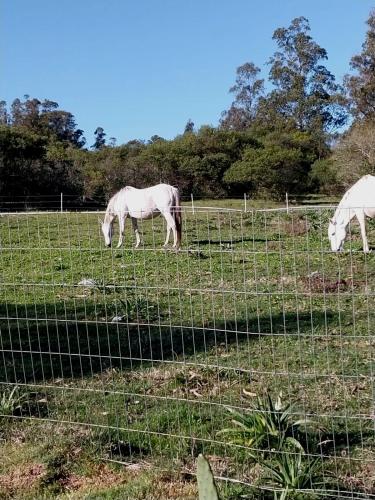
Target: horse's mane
x=344, y=199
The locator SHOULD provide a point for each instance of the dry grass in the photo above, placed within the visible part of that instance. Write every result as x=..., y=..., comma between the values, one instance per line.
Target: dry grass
x=363, y=478
x=21, y=478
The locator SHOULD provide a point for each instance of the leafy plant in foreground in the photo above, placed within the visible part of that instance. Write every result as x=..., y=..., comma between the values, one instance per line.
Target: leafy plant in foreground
x=290, y=474
x=206, y=483
x=270, y=426
x=10, y=400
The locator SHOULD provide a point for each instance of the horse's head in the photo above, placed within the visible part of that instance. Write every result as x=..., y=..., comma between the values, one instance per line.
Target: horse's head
x=336, y=235
x=107, y=230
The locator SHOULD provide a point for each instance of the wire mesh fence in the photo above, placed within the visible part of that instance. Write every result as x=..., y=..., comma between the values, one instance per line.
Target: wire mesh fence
x=49, y=202
x=252, y=344
x=73, y=202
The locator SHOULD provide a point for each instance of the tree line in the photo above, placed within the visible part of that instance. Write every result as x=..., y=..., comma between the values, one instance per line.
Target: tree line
x=281, y=134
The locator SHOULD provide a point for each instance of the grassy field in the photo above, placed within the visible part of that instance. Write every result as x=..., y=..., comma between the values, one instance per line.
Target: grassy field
x=132, y=356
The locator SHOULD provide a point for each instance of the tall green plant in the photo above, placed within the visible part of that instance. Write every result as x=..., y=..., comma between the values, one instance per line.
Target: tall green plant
x=290, y=473
x=271, y=425
x=10, y=400
x=206, y=483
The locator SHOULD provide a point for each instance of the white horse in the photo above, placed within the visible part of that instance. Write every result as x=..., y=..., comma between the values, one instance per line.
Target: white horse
x=143, y=204
x=358, y=201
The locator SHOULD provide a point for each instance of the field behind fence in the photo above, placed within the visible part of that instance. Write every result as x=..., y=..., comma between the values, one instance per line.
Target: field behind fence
x=145, y=354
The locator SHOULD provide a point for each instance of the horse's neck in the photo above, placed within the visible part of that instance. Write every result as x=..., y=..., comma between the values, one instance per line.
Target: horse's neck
x=344, y=213
x=109, y=213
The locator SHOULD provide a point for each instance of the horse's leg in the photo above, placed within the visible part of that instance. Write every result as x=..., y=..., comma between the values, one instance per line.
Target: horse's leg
x=168, y=234
x=121, y=223
x=362, y=224
x=136, y=232
x=171, y=226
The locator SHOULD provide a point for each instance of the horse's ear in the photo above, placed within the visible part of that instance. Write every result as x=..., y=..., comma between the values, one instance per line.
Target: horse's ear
x=332, y=221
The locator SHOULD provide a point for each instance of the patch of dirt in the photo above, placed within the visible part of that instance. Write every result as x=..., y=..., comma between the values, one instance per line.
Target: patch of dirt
x=317, y=283
x=21, y=478
x=196, y=384
x=363, y=480
x=297, y=226
x=287, y=280
x=164, y=486
x=101, y=477
x=275, y=245
x=17, y=436
x=173, y=489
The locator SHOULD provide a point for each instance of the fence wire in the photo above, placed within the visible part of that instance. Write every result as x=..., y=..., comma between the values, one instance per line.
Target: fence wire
x=152, y=351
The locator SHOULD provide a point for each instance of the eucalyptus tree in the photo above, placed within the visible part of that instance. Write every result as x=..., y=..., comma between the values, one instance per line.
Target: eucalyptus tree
x=305, y=93
x=361, y=84
x=247, y=90
x=99, y=139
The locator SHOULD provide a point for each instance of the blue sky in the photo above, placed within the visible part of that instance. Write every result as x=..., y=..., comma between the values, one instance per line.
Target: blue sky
x=144, y=67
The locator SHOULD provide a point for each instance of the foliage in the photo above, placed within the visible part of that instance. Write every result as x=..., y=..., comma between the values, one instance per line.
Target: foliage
x=260, y=170
x=116, y=377
x=354, y=156
x=361, y=85
x=99, y=139
x=44, y=118
x=274, y=436
x=271, y=425
x=10, y=400
x=281, y=165
x=303, y=94
x=30, y=164
x=206, y=483
x=323, y=176
x=189, y=127
x=247, y=90
x=266, y=142
x=305, y=91
x=292, y=473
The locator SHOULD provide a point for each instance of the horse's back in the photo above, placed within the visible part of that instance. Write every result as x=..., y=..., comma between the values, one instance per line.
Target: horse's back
x=163, y=194
x=147, y=202
x=361, y=196
x=362, y=193
x=367, y=180
x=368, y=195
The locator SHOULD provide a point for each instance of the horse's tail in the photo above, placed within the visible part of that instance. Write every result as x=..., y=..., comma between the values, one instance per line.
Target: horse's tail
x=177, y=214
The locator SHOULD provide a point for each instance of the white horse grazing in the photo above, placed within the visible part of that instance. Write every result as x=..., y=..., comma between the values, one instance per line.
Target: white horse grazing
x=358, y=201
x=143, y=204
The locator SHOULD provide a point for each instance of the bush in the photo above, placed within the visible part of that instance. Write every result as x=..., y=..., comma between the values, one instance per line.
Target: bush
x=323, y=176
x=273, y=169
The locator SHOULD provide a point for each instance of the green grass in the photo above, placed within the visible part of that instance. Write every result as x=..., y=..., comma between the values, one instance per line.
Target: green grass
x=252, y=302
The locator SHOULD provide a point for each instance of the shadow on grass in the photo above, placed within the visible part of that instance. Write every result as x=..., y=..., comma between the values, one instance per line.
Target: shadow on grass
x=37, y=350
